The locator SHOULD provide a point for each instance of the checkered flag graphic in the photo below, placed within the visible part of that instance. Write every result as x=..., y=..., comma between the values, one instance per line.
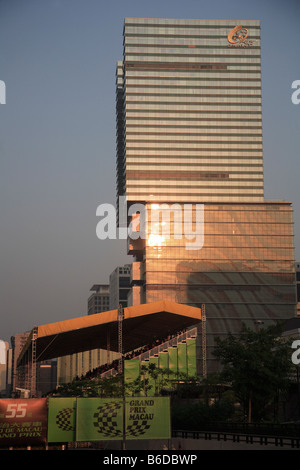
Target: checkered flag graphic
x=106, y=420
x=137, y=428
x=63, y=419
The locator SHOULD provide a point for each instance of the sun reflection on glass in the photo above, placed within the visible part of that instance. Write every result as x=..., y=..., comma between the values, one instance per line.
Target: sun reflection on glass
x=156, y=240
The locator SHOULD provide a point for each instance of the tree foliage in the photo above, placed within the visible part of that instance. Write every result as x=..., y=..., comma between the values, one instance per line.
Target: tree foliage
x=153, y=380
x=96, y=387
x=256, y=364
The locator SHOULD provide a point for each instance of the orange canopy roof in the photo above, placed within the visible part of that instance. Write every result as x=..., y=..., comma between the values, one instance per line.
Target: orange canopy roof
x=141, y=325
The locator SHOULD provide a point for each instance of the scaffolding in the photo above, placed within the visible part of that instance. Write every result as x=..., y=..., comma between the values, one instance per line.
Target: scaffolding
x=27, y=368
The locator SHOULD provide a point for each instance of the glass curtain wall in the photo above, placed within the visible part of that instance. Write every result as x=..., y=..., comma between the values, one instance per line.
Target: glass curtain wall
x=192, y=112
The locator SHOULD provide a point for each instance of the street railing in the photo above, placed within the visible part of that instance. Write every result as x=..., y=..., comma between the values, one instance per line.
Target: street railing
x=239, y=437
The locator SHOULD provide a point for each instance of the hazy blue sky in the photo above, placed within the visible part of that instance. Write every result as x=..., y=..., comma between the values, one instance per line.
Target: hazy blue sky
x=57, y=139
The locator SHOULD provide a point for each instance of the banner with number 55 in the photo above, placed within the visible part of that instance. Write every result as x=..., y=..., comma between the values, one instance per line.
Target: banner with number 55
x=23, y=422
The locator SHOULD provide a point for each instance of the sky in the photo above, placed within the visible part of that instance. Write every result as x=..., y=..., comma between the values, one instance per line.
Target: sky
x=57, y=140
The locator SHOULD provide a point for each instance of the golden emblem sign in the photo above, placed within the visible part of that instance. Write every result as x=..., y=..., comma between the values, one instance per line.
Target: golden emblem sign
x=237, y=34
x=237, y=37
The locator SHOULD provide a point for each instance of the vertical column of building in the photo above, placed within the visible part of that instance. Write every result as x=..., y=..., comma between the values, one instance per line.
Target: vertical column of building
x=120, y=133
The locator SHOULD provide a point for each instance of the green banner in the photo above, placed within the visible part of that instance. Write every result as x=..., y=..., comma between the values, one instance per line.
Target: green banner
x=164, y=360
x=131, y=370
x=102, y=418
x=191, y=357
x=61, y=419
x=149, y=388
x=99, y=419
x=173, y=360
x=153, y=360
x=148, y=418
x=182, y=359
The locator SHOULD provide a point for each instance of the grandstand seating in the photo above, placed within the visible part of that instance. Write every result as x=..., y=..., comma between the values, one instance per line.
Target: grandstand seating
x=177, y=354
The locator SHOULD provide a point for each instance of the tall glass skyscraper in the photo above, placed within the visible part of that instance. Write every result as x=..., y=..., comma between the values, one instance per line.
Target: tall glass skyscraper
x=189, y=134
x=193, y=114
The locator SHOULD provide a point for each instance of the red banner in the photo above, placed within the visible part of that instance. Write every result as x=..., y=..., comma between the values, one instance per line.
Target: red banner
x=23, y=422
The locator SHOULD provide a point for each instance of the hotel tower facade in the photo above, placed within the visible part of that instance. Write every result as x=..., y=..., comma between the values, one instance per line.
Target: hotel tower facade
x=189, y=138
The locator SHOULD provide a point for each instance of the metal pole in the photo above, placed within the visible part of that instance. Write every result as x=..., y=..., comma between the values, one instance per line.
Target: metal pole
x=121, y=369
x=120, y=337
x=108, y=346
x=203, y=316
x=124, y=420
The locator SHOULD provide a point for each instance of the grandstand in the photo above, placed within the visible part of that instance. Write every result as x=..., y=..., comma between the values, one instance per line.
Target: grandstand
x=140, y=326
x=177, y=357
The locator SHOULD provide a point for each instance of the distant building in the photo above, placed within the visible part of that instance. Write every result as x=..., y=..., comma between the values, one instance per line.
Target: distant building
x=5, y=366
x=119, y=286
x=46, y=376
x=9, y=372
x=99, y=301
x=79, y=364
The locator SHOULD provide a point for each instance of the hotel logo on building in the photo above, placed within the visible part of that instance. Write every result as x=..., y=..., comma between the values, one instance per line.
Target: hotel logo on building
x=238, y=37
